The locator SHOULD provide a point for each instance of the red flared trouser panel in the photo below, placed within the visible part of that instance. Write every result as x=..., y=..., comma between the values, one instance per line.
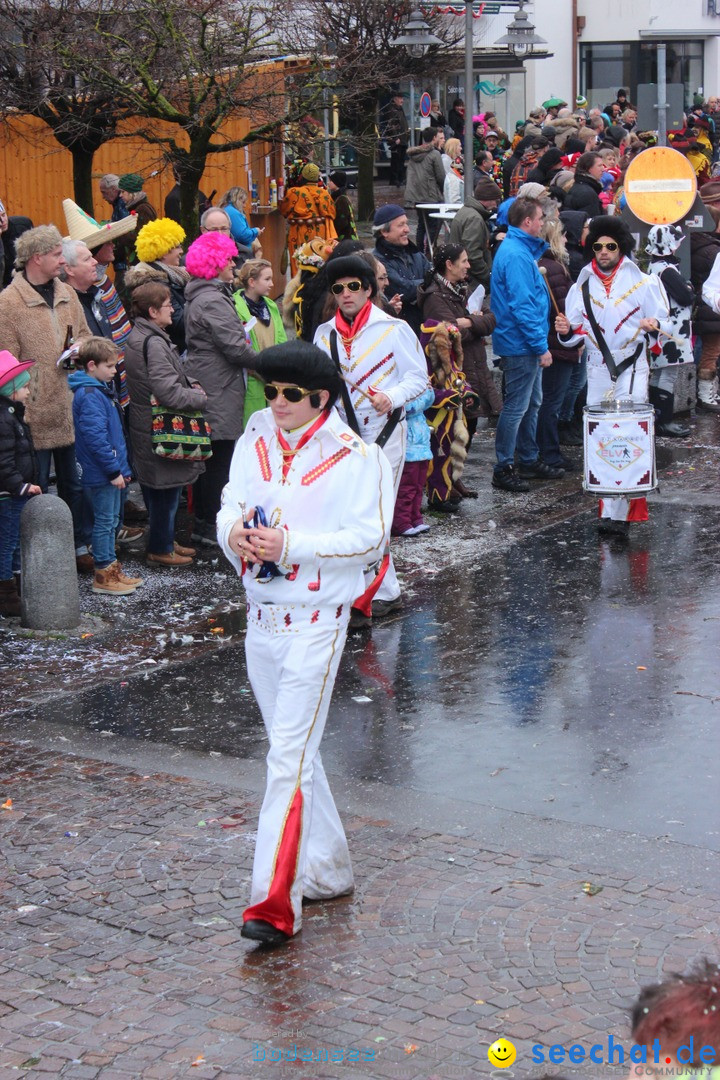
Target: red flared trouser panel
x=277, y=909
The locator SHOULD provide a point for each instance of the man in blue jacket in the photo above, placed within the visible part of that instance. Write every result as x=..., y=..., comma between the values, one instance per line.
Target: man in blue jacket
x=520, y=303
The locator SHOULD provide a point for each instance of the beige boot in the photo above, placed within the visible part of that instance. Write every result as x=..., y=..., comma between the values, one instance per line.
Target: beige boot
x=108, y=581
x=126, y=580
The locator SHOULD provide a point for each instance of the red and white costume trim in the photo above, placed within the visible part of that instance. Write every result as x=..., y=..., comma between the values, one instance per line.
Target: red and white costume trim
x=633, y=296
x=335, y=503
x=385, y=355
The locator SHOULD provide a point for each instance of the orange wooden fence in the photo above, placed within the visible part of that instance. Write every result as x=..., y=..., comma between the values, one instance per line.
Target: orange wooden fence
x=36, y=174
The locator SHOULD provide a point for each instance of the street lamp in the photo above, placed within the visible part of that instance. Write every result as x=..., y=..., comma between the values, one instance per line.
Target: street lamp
x=417, y=37
x=521, y=38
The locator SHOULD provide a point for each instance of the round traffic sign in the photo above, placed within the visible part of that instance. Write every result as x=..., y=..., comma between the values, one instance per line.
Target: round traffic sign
x=660, y=185
x=425, y=104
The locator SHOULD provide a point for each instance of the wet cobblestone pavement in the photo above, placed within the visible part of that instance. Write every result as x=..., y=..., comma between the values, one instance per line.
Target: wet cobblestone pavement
x=122, y=955
x=523, y=759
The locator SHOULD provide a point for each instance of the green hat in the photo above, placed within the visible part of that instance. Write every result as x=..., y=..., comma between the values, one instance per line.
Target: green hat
x=130, y=182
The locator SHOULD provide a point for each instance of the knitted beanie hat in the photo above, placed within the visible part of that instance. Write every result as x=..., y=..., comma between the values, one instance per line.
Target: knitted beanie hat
x=131, y=182
x=385, y=214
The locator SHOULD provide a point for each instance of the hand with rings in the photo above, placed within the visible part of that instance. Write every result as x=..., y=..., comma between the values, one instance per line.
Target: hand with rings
x=266, y=544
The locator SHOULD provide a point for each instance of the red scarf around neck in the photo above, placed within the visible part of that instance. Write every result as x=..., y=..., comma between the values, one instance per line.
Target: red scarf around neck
x=289, y=452
x=348, y=331
x=607, y=279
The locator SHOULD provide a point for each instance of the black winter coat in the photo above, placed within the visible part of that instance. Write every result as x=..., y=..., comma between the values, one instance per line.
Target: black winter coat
x=559, y=281
x=584, y=195
x=406, y=268
x=573, y=223
x=704, y=247
x=18, y=464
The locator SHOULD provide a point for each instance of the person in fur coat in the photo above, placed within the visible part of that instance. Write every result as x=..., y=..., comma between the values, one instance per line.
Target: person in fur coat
x=449, y=437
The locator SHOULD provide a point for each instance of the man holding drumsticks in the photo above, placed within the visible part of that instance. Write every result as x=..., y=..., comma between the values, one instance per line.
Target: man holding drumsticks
x=611, y=307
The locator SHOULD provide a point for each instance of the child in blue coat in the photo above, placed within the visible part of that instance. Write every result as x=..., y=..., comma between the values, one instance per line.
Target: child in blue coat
x=408, y=520
x=102, y=455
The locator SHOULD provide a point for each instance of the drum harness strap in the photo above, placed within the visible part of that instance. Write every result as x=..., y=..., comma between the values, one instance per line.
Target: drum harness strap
x=614, y=369
x=392, y=421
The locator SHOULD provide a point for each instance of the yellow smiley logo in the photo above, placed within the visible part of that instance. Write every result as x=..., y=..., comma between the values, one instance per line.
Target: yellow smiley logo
x=502, y=1054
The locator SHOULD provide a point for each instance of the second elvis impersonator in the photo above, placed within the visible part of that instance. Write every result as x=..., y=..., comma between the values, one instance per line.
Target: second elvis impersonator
x=614, y=299
x=307, y=506
x=383, y=368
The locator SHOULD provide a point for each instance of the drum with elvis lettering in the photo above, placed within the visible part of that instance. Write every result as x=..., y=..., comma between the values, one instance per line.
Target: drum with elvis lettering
x=619, y=444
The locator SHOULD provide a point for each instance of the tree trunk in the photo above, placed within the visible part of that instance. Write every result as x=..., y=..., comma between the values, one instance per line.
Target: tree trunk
x=365, y=182
x=191, y=168
x=82, y=160
x=367, y=145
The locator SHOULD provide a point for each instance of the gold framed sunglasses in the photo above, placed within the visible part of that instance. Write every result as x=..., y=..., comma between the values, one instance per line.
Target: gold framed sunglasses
x=293, y=394
x=611, y=246
x=340, y=287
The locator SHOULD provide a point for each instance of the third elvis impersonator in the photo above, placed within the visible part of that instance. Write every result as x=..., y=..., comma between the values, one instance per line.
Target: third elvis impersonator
x=307, y=506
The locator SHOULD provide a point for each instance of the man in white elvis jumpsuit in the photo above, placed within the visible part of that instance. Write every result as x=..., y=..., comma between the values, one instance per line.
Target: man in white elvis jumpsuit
x=383, y=367
x=307, y=506
x=626, y=305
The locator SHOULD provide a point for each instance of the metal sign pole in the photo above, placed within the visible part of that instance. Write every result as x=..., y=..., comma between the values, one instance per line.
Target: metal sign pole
x=662, y=105
x=469, y=157
x=412, y=111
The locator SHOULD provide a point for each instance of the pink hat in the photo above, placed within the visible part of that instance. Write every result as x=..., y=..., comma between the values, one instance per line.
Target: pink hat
x=209, y=254
x=10, y=368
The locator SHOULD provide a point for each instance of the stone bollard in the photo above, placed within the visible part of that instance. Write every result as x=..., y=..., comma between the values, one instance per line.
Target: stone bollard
x=50, y=598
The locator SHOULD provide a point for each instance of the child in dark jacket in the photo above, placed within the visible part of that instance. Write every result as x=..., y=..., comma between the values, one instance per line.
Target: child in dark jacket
x=102, y=455
x=18, y=472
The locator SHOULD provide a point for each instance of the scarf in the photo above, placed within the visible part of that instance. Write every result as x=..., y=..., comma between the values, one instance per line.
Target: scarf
x=289, y=452
x=258, y=308
x=348, y=331
x=607, y=279
x=459, y=289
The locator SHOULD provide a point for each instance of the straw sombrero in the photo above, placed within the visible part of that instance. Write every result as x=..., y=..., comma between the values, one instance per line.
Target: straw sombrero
x=83, y=227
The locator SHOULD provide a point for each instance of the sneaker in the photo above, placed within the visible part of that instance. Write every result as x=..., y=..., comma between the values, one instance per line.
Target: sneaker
x=168, y=558
x=198, y=530
x=126, y=579
x=421, y=527
x=383, y=608
x=539, y=470
x=412, y=531
x=508, y=480
x=204, y=533
x=127, y=535
x=108, y=581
